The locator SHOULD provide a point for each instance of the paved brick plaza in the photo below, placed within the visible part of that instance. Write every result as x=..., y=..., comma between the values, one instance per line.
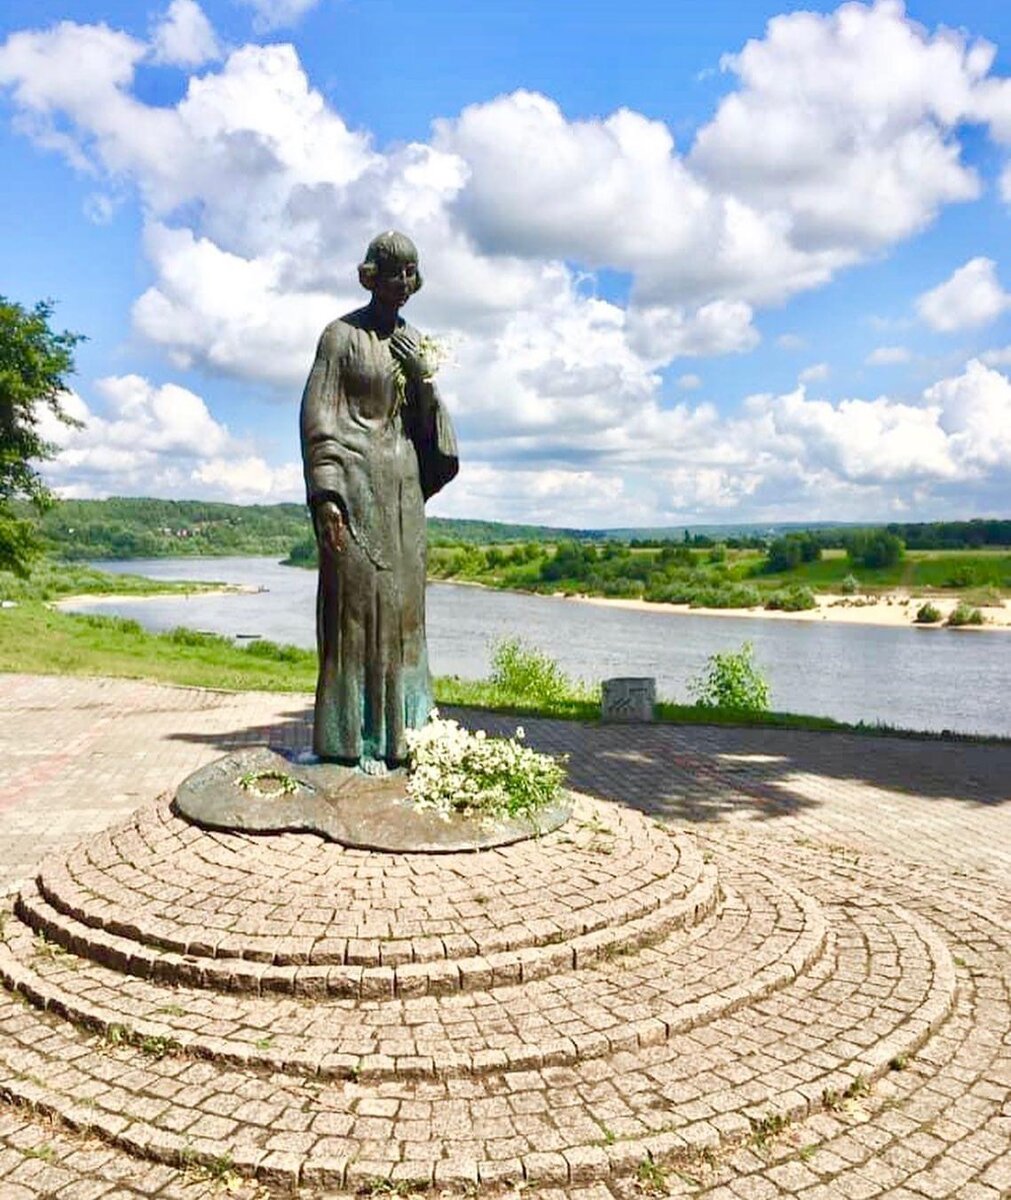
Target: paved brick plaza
x=800, y=989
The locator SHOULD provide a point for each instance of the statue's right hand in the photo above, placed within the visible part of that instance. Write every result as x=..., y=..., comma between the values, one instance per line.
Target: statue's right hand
x=330, y=526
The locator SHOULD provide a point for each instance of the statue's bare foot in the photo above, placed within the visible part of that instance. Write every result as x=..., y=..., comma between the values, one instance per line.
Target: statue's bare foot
x=373, y=766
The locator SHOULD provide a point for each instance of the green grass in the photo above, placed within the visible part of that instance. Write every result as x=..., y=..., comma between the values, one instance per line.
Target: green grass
x=945, y=570
x=40, y=640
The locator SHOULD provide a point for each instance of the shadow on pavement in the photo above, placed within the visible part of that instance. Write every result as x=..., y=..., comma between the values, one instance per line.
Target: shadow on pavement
x=700, y=773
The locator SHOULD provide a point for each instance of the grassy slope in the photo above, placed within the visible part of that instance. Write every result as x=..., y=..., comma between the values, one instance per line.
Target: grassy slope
x=39, y=640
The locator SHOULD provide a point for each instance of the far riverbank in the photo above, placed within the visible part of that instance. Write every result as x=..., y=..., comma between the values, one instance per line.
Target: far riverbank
x=891, y=609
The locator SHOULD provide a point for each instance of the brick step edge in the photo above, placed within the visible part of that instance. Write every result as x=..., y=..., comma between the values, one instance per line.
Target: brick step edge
x=477, y=973
x=19, y=977
x=578, y=1164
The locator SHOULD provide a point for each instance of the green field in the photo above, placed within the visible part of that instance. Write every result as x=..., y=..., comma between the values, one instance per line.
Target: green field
x=946, y=571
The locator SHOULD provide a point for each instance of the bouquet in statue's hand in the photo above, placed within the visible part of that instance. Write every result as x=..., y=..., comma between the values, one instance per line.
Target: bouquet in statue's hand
x=418, y=358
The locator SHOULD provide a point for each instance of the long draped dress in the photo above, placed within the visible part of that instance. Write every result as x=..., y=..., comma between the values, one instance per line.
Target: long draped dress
x=379, y=450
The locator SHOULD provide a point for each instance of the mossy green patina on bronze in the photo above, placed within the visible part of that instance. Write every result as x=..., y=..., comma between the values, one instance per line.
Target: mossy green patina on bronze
x=250, y=792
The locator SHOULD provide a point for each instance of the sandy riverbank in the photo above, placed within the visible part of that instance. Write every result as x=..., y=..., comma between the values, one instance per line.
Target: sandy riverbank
x=895, y=609
x=224, y=589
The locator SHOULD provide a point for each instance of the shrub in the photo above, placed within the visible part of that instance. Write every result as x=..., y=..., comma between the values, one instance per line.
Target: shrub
x=964, y=614
x=874, y=548
x=265, y=648
x=113, y=624
x=182, y=636
x=850, y=585
x=678, y=590
x=928, y=614
x=731, y=680
x=525, y=674
x=303, y=553
x=725, y=596
x=790, y=551
x=795, y=599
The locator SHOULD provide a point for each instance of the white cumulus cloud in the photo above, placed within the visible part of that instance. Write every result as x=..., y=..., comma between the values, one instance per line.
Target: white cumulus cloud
x=970, y=297
x=839, y=137
x=148, y=439
x=184, y=37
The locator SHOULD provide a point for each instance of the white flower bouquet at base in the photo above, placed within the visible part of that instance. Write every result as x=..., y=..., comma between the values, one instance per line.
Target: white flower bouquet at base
x=454, y=771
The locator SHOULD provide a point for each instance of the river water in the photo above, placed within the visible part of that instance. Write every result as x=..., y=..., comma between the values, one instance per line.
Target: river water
x=917, y=679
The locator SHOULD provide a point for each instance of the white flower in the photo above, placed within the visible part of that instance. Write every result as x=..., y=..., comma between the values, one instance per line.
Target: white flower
x=452, y=770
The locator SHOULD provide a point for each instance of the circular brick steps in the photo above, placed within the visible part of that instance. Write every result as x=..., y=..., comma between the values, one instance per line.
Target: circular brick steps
x=759, y=940
x=296, y=913
x=778, y=1003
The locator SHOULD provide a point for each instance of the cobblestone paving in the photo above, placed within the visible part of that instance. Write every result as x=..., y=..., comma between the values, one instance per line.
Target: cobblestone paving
x=802, y=989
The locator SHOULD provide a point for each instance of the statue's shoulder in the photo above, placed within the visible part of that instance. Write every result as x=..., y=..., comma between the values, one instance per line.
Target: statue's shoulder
x=338, y=333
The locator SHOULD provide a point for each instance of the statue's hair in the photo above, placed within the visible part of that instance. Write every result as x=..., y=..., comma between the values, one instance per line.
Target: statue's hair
x=387, y=247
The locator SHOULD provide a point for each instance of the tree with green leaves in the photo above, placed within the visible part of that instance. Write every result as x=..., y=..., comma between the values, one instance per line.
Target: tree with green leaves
x=34, y=361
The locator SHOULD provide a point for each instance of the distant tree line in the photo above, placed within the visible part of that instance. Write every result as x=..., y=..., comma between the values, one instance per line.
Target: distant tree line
x=147, y=528
x=954, y=535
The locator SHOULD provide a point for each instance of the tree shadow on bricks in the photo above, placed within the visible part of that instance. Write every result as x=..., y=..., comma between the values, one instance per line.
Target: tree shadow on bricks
x=702, y=773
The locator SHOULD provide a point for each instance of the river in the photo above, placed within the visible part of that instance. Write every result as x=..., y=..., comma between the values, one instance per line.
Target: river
x=915, y=679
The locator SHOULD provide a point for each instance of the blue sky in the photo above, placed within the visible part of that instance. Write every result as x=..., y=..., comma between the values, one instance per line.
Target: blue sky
x=729, y=262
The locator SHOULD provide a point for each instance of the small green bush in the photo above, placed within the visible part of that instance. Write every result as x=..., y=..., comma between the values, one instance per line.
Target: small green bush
x=525, y=674
x=795, y=599
x=264, y=648
x=850, y=585
x=726, y=596
x=964, y=614
x=113, y=624
x=182, y=636
x=928, y=614
x=731, y=679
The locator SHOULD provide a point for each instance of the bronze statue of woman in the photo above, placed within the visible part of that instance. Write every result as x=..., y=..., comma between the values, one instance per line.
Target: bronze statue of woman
x=376, y=443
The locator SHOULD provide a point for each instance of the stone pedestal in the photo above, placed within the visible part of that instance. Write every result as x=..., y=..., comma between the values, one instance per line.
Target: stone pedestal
x=629, y=698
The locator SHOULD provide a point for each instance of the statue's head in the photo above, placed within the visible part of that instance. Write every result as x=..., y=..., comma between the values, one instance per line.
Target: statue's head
x=391, y=266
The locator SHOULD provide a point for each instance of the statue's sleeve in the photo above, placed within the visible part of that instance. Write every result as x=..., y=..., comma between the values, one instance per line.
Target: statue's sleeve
x=434, y=440
x=322, y=452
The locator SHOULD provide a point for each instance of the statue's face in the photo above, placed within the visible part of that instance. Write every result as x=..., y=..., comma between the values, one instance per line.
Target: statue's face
x=395, y=281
